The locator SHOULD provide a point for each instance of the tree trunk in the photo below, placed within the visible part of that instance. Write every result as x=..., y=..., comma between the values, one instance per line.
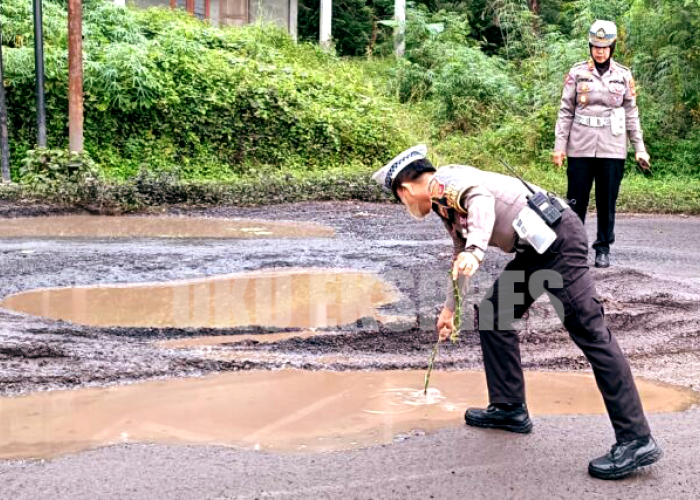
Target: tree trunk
x=534, y=6
x=373, y=39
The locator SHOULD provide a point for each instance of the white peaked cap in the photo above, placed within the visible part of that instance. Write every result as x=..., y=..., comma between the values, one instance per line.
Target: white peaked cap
x=602, y=33
x=386, y=175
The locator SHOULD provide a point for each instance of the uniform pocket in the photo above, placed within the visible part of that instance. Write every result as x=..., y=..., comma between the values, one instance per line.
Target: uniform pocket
x=585, y=317
x=616, y=88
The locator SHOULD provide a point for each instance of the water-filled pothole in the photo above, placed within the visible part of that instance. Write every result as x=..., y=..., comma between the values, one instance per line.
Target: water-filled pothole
x=87, y=226
x=293, y=298
x=282, y=410
x=209, y=341
x=223, y=340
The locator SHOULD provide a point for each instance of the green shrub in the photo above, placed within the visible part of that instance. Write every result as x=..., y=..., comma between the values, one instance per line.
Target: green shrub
x=178, y=111
x=469, y=88
x=53, y=167
x=165, y=90
x=355, y=27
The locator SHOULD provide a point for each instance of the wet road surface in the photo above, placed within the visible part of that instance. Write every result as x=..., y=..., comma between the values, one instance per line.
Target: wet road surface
x=651, y=298
x=284, y=410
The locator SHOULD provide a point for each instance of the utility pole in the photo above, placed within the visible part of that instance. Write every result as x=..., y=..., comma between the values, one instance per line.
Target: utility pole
x=293, y=19
x=75, y=76
x=39, y=71
x=4, y=140
x=326, y=24
x=400, y=30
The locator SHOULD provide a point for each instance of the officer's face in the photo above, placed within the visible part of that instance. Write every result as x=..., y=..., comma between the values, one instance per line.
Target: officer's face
x=416, y=198
x=601, y=54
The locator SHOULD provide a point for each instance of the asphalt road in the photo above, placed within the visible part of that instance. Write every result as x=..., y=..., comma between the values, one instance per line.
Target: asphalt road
x=459, y=462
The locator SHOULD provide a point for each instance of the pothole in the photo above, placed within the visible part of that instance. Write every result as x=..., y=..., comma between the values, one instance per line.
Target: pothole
x=291, y=298
x=87, y=226
x=223, y=340
x=266, y=338
x=282, y=410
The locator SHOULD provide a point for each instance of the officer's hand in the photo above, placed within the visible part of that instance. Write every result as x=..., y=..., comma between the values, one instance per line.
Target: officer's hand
x=466, y=263
x=642, y=156
x=444, y=323
x=558, y=158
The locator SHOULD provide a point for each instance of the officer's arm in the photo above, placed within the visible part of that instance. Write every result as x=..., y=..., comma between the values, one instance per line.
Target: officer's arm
x=567, y=109
x=634, y=129
x=480, y=206
x=458, y=244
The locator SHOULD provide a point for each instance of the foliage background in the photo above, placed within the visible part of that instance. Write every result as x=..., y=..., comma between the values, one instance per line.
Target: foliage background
x=166, y=91
x=480, y=82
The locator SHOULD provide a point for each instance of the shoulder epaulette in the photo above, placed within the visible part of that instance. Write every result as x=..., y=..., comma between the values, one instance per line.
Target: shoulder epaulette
x=621, y=66
x=447, y=188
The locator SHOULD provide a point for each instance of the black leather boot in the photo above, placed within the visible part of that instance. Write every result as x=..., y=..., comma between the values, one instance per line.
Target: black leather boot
x=602, y=260
x=513, y=418
x=625, y=458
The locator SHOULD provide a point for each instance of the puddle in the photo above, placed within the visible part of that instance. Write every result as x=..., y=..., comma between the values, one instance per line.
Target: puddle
x=291, y=298
x=315, y=361
x=87, y=226
x=282, y=410
x=217, y=340
x=269, y=338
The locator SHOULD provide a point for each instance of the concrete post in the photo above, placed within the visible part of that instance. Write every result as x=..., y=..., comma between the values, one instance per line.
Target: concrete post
x=400, y=30
x=4, y=140
x=293, y=18
x=39, y=72
x=325, y=22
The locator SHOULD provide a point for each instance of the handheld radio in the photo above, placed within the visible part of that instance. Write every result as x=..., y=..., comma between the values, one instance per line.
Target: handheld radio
x=545, y=205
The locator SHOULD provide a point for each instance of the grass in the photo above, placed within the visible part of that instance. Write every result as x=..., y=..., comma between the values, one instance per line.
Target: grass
x=638, y=194
x=207, y=180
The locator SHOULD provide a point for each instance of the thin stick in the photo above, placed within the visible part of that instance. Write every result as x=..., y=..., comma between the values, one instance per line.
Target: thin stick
x=457, y=317
x=430, y=366
x=454, y=336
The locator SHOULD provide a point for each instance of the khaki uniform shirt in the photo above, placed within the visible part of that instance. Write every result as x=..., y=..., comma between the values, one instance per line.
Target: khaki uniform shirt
x=478, y=209
x=588, y=93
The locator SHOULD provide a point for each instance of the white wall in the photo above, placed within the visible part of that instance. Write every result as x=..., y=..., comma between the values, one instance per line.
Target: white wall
x=144, y=4
x=282, y=12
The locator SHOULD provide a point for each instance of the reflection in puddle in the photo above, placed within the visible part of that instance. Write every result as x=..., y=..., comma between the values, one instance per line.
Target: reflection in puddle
x=286, y=410
x=88, y=226
x=293, y=298
x=403, y=400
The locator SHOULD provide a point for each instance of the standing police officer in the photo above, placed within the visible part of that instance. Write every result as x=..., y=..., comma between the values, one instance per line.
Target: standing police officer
x=481, y=209
x=598, y=114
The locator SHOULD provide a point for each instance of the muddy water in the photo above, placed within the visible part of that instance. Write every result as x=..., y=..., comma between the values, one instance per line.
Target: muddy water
x=295, y=298
x=217, y=340
x=86, y=226
x=283, y=410
x=269, y=338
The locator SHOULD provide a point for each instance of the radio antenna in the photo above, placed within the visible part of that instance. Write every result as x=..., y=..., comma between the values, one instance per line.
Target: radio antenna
x=516, y=174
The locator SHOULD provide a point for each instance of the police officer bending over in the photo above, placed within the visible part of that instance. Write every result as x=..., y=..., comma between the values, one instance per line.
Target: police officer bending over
x=481, y=209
